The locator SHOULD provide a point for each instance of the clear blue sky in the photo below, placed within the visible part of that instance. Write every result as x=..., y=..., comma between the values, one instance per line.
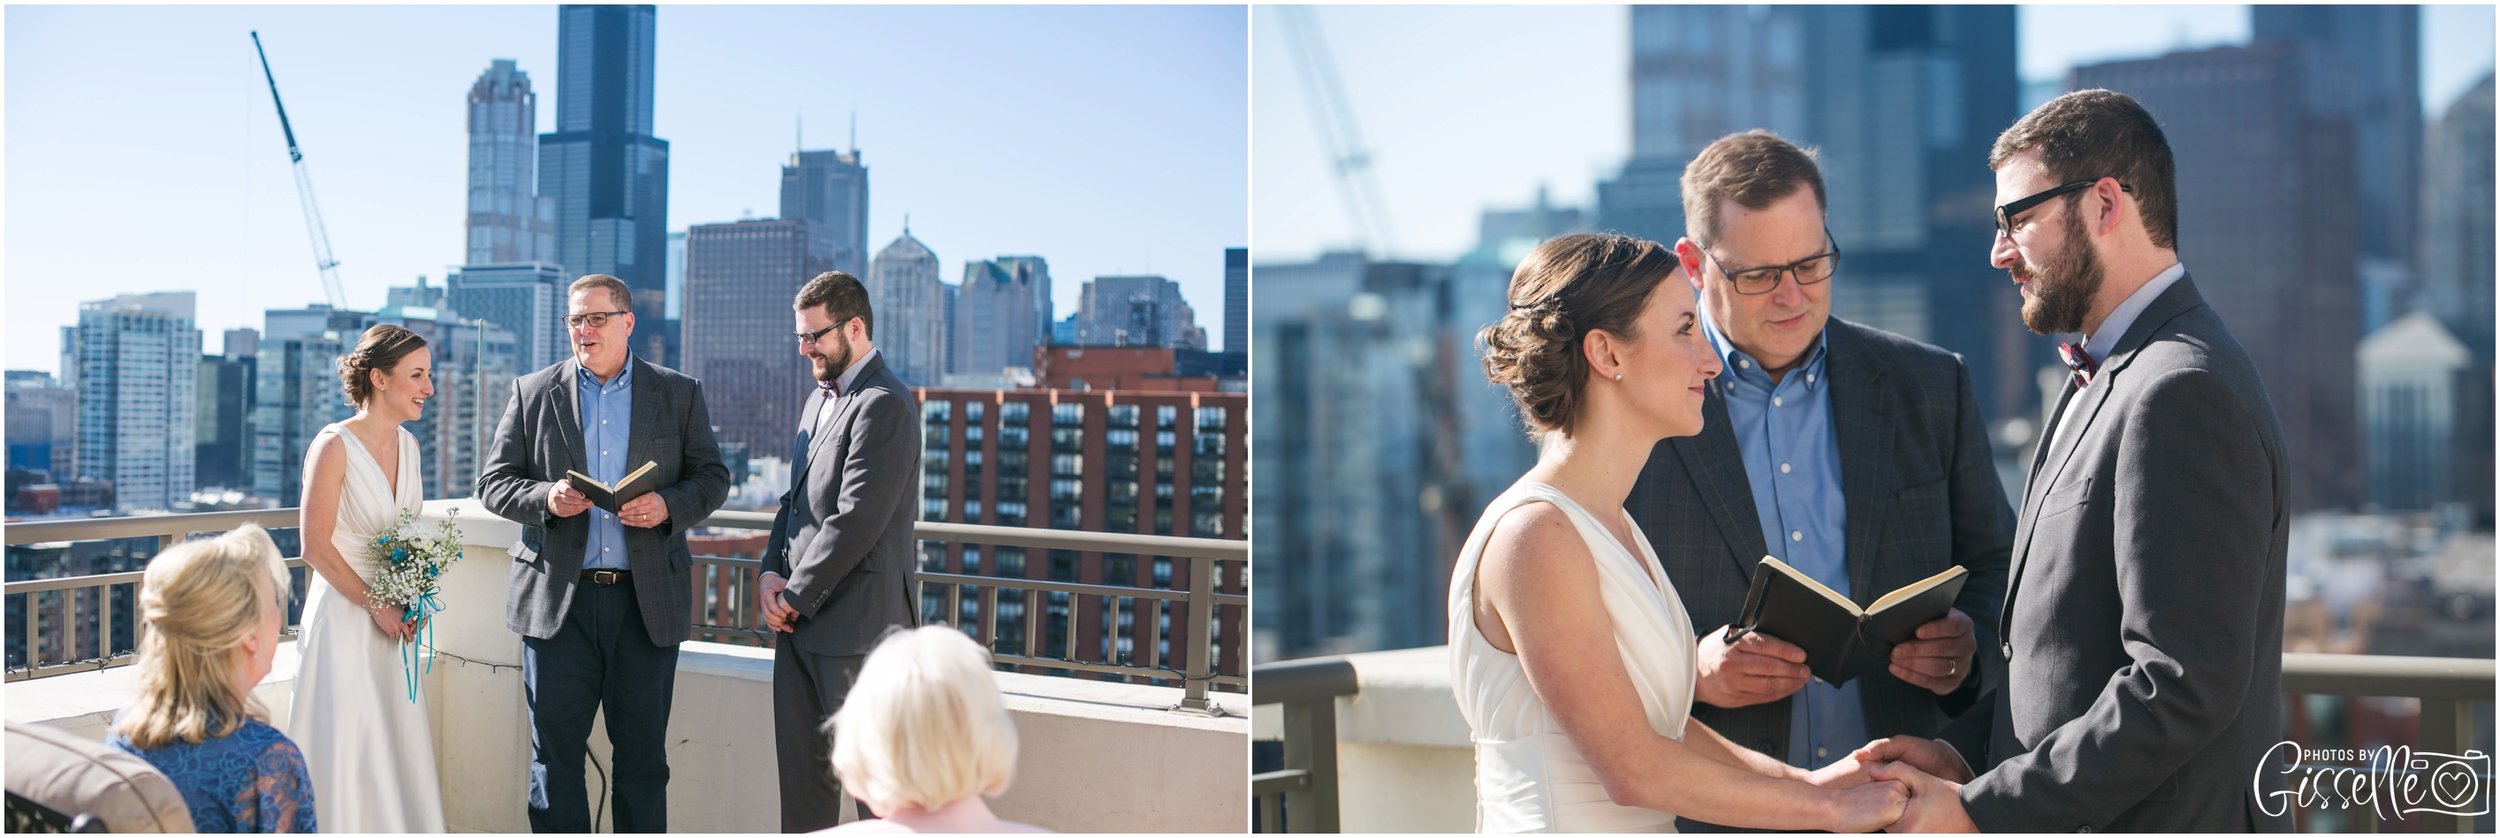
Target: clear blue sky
x=143, y=154
x=1469, y=108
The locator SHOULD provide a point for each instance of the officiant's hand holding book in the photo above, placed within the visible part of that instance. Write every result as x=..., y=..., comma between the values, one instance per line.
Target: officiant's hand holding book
x=1841, y=640
x=614, y=497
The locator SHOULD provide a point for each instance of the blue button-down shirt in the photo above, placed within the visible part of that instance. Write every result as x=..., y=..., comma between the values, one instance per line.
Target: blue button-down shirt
x=1792, y=460
x=606, y=412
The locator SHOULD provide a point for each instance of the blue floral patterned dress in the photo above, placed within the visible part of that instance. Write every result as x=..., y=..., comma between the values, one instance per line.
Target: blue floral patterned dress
x=251, y=780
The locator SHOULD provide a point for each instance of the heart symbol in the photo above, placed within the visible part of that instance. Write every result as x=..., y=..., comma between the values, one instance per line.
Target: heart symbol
x=2454, y=784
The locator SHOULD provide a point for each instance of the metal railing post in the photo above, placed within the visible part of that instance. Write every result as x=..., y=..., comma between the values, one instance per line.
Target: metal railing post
x=1201, y=613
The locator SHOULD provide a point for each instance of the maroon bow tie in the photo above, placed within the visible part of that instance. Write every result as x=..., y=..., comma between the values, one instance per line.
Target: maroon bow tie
x=2079, y=361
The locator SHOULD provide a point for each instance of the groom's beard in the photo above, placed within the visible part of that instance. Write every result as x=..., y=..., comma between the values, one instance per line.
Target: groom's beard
x=2062, y=290
x=829, y=367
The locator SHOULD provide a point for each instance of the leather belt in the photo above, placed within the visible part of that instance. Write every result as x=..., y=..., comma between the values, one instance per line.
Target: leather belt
x=607, y=577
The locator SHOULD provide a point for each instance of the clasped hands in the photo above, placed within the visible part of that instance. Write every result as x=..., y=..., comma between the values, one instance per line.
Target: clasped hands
x=1929, y=770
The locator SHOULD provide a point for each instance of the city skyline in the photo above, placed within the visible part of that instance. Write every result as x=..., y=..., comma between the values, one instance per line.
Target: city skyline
x=1549, y=109
x=1124, y=161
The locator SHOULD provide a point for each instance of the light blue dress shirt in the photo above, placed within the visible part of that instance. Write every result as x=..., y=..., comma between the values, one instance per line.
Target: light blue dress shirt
x=606, y=412
x=1792, y=459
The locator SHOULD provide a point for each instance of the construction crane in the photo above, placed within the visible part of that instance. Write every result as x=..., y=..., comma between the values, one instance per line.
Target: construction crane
x=1349, y=161
x=303, y=188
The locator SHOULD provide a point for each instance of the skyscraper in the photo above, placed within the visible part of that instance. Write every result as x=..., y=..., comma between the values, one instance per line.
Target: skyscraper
x=508, y=220
x=607, y=173
x=995, y=323
x=1136, y=311
x=1360, y=499
x=2364, y=63
x=740, y=279
x=1699, y=73
x=2456, y=272
x=42, y=424
x=1237, y=300
x=299, y=394
x=138, y=359
x=1902, y=104
x=223, y=450
x=830, y=189
x=2268, y=208
x=2411, y=375
x=525, y=299
x=910, y=304
x=2456, y=229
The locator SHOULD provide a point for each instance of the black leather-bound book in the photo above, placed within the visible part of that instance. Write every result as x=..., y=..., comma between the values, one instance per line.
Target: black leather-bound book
x=614, y=498
x=1842, y=641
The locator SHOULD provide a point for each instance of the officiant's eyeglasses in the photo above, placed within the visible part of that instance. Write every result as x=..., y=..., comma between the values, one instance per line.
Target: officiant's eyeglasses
x=811, y=337
x=2006, y=212
x=1761, y=280
x=596, y=319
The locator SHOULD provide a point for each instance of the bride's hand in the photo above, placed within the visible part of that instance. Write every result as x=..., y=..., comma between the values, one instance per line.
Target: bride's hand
x=388, y=621
x=1869, y=807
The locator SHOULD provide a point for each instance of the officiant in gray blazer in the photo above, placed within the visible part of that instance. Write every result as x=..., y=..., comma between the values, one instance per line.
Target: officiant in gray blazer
x=2143, y=633
x=1855, y=455
x=601, y=600
x=838, y=568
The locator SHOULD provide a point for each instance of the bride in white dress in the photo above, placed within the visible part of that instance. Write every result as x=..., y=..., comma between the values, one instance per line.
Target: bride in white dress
x=368, y=748
x=1570, y=652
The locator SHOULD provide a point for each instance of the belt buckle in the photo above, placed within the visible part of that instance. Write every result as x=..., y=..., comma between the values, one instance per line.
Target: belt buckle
x=604, y=577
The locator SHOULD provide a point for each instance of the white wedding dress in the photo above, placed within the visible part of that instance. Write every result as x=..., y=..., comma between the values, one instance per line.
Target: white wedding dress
x=368, y=748
x=1529, y=777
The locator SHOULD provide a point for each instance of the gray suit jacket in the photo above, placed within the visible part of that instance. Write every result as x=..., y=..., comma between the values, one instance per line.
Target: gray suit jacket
x=2144, y=628
x=1921, y=492
x=844, y=534
x=540, y=438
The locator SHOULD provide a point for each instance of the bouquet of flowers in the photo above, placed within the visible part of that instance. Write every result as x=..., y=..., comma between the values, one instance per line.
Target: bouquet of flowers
x=406, y=566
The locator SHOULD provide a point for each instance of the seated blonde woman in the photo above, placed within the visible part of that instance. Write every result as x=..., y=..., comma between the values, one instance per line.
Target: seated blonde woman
x=213, y=610
x=925, y=737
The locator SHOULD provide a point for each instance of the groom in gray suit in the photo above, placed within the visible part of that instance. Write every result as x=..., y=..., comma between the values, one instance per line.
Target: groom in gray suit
x=837, y=571
x=601, y=600
x=1854, y=454
x=2143, y=632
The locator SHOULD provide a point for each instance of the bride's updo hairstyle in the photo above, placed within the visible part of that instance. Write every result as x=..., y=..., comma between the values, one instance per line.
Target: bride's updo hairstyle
x=1564, y=289
x=381, y=349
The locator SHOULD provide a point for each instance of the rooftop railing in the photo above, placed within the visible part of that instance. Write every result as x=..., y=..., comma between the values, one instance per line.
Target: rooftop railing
x=1200, y=608
x=1302, y=795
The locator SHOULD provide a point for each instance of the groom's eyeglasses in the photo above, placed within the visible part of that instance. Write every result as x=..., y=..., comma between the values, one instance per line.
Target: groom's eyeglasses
x=812, y=337
x=2006, y=212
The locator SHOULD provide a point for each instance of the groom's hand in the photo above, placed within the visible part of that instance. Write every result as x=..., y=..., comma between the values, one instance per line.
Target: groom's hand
x=1935, y=804
x=1757, y=668
x=777, y=614
x=1940, y=658
x=1927, y=755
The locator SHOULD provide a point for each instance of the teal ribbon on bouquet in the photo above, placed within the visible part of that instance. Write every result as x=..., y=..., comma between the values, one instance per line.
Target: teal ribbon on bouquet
x=421, y=609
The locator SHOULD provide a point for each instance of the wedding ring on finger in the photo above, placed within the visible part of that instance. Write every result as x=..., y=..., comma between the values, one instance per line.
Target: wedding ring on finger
x=1952, y=668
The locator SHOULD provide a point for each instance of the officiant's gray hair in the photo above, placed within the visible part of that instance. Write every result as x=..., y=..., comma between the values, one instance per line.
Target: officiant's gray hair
x=924, y=725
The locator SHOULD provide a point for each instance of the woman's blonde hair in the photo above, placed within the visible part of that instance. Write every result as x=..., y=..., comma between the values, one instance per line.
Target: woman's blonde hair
x=923, y=726
x=198, y=600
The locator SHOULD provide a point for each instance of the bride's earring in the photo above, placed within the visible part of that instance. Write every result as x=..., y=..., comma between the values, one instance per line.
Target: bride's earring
x=1618, y=376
